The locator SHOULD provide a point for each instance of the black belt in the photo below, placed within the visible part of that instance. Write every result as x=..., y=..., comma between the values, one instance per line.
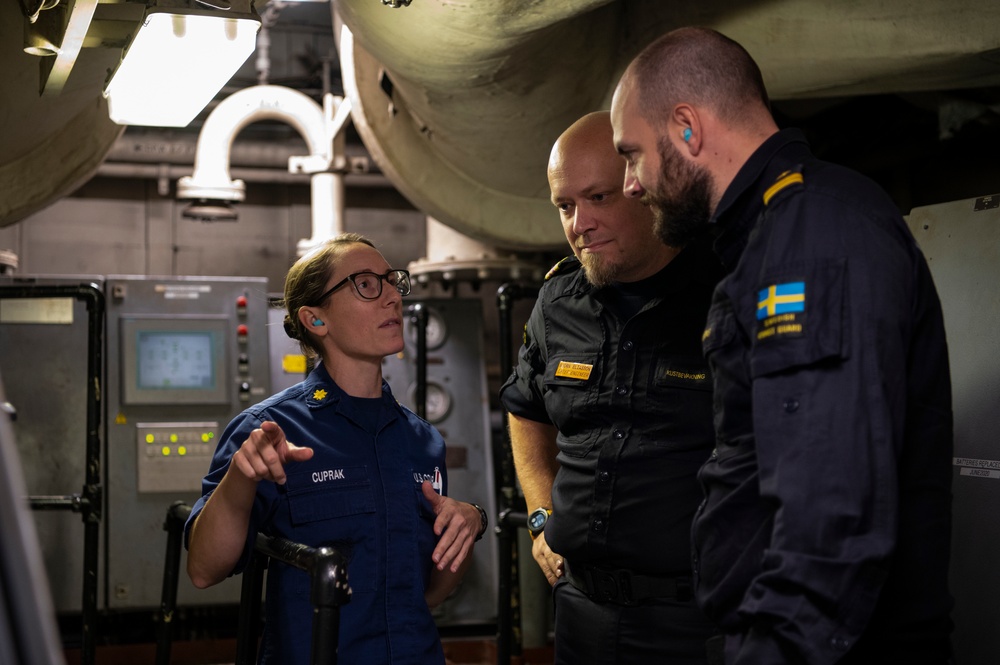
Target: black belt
x=623, y=587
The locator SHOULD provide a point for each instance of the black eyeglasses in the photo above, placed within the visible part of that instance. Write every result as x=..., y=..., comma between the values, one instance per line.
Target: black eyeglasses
x=369, y=284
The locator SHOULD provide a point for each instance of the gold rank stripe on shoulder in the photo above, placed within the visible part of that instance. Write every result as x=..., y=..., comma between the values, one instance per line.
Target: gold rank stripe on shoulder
x=554, y=269
x=784, y=180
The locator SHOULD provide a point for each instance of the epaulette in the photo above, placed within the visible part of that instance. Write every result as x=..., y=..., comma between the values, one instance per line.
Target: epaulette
x=563, y=264
x=784, y=181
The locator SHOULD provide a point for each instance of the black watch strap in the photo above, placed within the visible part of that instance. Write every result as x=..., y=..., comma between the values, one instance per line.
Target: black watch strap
x=484, y=521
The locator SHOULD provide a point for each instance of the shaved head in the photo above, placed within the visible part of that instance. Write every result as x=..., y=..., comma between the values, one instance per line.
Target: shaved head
x=611, y=234
x=698, y=66
x=589, y=138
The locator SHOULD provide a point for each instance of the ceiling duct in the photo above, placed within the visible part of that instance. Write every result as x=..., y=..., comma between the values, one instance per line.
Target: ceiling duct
x=460, y=102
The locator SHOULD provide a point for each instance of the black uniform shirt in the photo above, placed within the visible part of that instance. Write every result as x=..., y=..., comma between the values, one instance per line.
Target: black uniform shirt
x=631, y=400
x=825, y=533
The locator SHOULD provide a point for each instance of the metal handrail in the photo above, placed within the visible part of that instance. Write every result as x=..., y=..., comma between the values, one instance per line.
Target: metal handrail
x=327, y=569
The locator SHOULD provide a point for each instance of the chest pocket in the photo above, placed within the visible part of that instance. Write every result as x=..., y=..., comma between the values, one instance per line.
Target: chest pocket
x=336, y=507
x=689, y=374
x=572, y=385
x=572, y=382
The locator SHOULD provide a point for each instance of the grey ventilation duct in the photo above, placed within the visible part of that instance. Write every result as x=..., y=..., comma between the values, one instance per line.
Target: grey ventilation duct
x=459, y=102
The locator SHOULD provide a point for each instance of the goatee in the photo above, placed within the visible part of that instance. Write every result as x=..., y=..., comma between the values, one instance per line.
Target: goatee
x=598, y=271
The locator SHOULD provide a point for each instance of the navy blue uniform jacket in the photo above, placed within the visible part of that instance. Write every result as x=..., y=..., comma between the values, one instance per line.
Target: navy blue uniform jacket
x=824, y=536
x=361, y=493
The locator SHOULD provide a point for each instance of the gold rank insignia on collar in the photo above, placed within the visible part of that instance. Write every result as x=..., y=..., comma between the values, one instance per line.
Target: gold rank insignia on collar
x=319, y=394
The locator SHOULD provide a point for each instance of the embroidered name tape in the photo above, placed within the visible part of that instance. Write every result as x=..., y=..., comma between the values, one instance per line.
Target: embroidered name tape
x=570, y=370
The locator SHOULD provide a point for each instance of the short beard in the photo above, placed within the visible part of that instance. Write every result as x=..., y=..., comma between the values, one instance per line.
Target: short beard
x=599, y=271
x=681, y=215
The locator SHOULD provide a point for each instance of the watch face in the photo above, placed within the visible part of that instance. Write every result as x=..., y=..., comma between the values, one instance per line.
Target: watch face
x=537, y=519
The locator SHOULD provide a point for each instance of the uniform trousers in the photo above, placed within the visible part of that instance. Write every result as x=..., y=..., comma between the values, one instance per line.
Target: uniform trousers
x=653, y=632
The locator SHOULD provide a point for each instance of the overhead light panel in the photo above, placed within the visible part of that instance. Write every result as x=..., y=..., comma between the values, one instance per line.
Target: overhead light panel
x=177, y=62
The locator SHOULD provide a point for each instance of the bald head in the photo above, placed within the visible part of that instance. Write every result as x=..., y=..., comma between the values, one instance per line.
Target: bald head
x=611, y=234
x=590, y=139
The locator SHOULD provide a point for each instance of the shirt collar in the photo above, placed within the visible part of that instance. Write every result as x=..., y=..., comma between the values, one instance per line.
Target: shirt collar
x=740, y=203
x=320, y=390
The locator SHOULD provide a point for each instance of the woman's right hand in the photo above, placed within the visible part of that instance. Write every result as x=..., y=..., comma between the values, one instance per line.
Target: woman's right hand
x=265, y=453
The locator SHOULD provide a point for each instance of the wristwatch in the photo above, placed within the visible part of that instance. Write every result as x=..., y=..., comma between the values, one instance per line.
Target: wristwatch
x=537, y=520
x=484, y=521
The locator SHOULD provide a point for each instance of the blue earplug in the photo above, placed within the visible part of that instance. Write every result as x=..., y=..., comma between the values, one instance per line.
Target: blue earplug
x=687, y=134
x=317, y=322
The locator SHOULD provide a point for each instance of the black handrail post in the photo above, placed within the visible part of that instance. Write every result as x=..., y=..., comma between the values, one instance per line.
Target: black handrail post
x=177, y=515
x=93, y=492
x=508, y=519
x=327, y=570
x=329, y=591
x=418, y=317
x=252, y=585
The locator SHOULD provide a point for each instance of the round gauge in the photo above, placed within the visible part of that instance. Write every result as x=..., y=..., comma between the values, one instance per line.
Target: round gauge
x=437, y=331
x=438, y=401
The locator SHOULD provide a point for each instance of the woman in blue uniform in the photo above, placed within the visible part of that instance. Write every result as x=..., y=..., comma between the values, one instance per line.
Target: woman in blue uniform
x=335, y=460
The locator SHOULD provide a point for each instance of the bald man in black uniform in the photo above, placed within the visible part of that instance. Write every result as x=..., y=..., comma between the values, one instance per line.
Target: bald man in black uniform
x=610, y=417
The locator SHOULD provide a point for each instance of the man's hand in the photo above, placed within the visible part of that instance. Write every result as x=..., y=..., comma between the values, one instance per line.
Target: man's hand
x=550, y=562
x=265, y=453
x=457, y=524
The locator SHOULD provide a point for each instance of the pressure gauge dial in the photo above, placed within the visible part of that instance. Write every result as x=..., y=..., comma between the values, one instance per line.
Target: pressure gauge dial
x=438, y=401
x=437, y=330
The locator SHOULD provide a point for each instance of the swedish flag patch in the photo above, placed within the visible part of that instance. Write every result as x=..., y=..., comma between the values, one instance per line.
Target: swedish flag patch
x=781, y=310
x=781, y=299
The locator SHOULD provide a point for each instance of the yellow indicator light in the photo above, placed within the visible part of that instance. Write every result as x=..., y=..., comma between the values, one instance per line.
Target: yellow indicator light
x=205, y=436
x=173, y=438
x=181, y=450
x=150, y=438
x=165, y=450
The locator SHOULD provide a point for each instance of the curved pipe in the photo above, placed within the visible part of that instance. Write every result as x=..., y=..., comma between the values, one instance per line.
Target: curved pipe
x=319, y=127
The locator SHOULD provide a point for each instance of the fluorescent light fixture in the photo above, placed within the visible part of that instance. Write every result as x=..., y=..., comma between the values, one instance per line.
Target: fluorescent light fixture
x=176, y=63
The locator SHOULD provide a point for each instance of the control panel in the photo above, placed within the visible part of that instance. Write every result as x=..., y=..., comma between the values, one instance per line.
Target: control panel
x=185, y=356
x=174, y=456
